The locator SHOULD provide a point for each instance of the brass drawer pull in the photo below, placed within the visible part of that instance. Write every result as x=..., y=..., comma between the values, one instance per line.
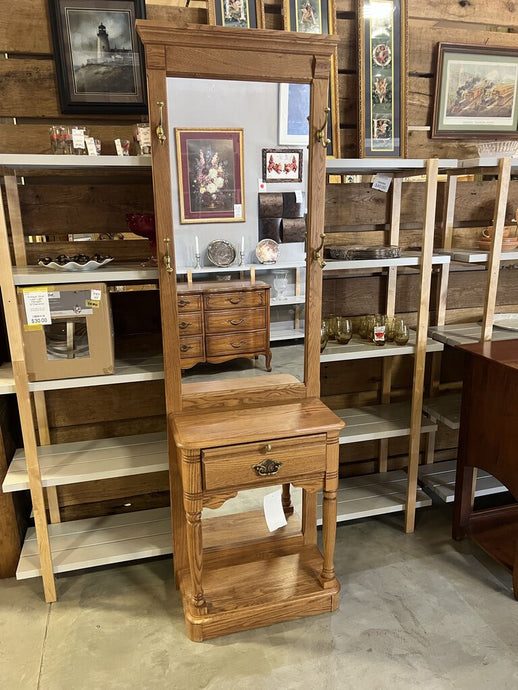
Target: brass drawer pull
x=183, y=302
x=267, y=467
x=185, y=348
x=236, y=346
x=185, y=324
x=234, y=300
x=235, y=323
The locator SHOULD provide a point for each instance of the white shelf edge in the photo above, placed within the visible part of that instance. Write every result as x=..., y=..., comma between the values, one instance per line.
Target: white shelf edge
x=100, y=541
x=358, y=349
x=71, y=463
x=409, y=259
x=466, y=334
x=245, y=268
x=39, y=275
x=445, y=409
x=375, y=422
x=365, y=166
x=285, y=334
x=29, y=161
x=439, y=479
x=373, y=495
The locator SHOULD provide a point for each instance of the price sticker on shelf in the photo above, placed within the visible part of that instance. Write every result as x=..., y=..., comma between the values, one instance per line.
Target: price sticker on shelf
x=382, y=182
x=91, y=304
x=273, y=511
x=238, y=210
x=78, y=138
x=90, y=146
x=37, y=308
x=118, y=147
x=299, y=196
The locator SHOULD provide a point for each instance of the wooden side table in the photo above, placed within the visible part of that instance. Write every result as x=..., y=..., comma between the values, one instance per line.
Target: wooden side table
x=488, y=439
x=233, y=574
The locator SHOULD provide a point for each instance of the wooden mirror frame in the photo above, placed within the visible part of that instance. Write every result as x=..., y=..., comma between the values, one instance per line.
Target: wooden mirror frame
x=213, y=52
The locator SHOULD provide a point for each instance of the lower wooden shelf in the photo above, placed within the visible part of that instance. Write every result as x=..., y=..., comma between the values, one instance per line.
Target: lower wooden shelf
x=259, y=580
x=445, y=409
x=373, y=494
x=439, y=479
x=100, y=541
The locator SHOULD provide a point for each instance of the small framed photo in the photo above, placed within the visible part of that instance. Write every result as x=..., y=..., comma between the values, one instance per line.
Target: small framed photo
x=476, y=92
x=99, y=57
x=282, y=165
x=210, y=175
x=238, y=14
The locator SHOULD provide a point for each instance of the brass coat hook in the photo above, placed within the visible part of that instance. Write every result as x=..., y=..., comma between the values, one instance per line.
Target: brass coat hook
x=322, y=132
x=316, y=252
x=167, y=258
x=160, y=134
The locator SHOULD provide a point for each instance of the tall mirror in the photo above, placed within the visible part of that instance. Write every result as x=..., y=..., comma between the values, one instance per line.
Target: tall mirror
x=224, y=180
x=238, y=194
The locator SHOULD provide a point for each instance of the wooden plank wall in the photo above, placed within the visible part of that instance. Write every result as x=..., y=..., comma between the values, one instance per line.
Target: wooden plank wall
x=355, y=213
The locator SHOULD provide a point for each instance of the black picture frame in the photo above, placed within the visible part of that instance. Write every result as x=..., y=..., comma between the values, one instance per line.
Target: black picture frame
x=99, y=57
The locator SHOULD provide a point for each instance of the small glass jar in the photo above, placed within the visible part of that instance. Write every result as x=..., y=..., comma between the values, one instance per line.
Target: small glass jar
x=401, y=333
x=324, y=335
x=344, y=330
x=378, y=330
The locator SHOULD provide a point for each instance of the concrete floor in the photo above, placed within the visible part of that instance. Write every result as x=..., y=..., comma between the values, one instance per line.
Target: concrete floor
x=416, y=611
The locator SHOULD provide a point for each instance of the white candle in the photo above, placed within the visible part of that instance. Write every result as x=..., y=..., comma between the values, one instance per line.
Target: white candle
x=196, y=244
x=243, y=244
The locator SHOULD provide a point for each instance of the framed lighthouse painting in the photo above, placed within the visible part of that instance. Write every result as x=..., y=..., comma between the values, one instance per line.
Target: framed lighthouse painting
x=99, y=58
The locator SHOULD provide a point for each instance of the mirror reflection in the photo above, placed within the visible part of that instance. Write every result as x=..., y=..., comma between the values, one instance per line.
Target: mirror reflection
x=238, y=165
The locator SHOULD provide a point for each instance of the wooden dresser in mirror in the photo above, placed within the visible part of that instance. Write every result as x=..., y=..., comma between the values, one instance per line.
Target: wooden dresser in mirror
x=252, y=433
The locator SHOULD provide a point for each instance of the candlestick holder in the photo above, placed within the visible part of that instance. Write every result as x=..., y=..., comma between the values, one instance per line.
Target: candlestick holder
x=197, y=261
x=241, y=257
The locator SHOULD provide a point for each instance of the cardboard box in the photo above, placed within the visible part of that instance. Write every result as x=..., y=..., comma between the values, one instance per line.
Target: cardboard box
x=67, y=330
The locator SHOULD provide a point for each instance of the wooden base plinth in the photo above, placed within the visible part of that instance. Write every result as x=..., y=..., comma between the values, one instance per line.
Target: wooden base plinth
x=252, y=594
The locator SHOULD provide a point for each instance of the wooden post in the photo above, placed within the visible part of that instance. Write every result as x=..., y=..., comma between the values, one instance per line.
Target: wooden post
x=44, y=435
x=15, y=219
x=14, y=331
x=432, y=167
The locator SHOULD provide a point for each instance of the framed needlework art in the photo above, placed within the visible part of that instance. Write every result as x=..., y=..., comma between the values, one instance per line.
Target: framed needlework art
x=382, y=88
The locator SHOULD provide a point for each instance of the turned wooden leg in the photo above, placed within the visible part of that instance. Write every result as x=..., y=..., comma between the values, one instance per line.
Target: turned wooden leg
x=327, y=577
x=193, y=505
x=268, y=357
x=286, y=500
x=195, y=551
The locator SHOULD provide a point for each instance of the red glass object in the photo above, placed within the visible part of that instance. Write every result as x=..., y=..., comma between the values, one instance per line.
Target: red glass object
x=143, y=224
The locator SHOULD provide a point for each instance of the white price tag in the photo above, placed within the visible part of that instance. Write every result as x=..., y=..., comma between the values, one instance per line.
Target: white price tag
x=37, y=308
x=145, y=136
x=78, y=138
x=238, y=209
x=96, y=295
x=299, y=196
x=118, y=147
x=382, y=182
x=273, y=512
x=90, y=146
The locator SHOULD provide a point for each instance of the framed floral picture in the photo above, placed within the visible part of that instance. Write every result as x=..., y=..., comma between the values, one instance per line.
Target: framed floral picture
x=282, y=165
x=476, y=92
x=210, y=175
x=238, y=14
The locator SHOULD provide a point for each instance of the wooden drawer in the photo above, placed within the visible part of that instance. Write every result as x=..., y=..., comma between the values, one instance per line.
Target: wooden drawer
x=235, y=320
x=235, y=300
x=190, y=324
x=234, y=343
x=188, y=303
x=233, y=466
x=191, y=347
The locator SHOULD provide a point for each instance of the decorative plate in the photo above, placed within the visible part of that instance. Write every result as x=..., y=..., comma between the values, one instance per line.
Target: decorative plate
x=86, y=263
x=267, y=251
x=221, y=253
x=507, y=321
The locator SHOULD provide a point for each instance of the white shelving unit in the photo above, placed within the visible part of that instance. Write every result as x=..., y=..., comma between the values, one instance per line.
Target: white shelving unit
x=390, y=491
x=439, y=478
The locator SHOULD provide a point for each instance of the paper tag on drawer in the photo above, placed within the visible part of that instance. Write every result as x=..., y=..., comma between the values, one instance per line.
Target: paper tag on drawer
x=273, y=512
